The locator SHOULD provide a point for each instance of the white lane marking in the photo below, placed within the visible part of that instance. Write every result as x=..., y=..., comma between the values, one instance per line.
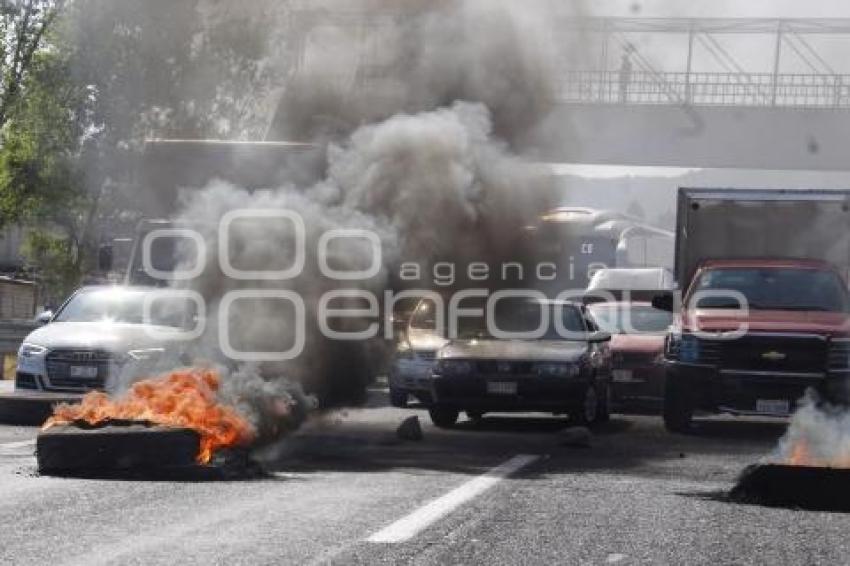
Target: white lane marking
x=409, y=526
x=8, y=448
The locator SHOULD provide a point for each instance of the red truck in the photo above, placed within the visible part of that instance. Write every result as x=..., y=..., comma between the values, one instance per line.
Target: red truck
x=765, y=313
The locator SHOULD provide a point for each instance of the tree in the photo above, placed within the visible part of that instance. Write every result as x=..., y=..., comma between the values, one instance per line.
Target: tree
x=84, y=88
x=23, y=27
x=41, y=171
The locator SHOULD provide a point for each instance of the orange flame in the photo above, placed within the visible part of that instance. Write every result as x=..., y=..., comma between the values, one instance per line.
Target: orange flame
x=799, y=455
x=184, y=398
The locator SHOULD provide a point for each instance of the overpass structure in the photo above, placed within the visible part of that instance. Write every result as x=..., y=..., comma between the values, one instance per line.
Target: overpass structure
x=791, y=112
x=814, y=82
x=701, y=99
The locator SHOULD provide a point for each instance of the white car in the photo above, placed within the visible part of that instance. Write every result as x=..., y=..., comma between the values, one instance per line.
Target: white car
x=99, y=334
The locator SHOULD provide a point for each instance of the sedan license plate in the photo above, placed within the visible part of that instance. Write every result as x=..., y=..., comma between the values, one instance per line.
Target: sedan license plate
x=85, y=372
x=501, y=387
x=773, y=406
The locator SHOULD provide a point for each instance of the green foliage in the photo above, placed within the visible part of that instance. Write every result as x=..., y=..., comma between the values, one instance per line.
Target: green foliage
x=42, y=184
x=24, y=25
x=57, y=261
x=83, y=86
x=40, y=178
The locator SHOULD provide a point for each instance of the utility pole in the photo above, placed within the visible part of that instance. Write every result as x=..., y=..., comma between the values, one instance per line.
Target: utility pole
x=606, y=39
x=776, y=58
x=690, y=63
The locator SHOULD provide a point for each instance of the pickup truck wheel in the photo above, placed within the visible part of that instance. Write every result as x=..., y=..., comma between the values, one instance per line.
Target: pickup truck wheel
x=398, y=397
x=678, y=407
x=585, y=411
x=443, y=417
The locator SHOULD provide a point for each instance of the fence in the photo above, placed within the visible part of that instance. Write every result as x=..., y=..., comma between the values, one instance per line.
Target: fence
x=710, y=89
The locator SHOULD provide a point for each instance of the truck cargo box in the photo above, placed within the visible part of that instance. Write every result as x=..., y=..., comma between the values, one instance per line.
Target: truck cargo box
x=761, y=223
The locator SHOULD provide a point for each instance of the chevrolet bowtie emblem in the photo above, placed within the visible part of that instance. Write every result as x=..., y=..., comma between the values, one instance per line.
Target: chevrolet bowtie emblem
x=774, y=356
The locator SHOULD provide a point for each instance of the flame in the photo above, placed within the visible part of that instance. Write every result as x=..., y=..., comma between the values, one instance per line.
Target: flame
x=184, y=398
x=800, y=454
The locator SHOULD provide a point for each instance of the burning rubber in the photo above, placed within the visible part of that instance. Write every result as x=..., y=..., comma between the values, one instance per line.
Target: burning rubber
x=175, y=422
x=66, y=449
x=803, y=487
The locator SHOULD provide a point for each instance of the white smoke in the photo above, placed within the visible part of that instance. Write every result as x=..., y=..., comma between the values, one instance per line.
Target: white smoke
x=818, y=435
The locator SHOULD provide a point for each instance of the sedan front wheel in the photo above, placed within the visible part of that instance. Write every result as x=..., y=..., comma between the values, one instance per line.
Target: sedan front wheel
x=586, y=411
x=443, y=417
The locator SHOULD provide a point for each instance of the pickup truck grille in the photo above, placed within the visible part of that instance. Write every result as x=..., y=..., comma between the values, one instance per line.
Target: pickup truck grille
x=60, y=362
x=775, y=352
x=839, y=354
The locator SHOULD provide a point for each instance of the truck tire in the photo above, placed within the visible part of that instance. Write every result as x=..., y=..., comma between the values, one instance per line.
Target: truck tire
x=678, y=407
x=398, y=398
x=443, y=417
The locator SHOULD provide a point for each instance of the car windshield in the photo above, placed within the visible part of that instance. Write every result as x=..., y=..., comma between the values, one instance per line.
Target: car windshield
x=512, y=315
x=772, y=289
x=631, y=319
x=127, y=306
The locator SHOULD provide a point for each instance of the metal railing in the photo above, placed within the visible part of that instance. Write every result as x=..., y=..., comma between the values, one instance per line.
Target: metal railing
x=707, y=89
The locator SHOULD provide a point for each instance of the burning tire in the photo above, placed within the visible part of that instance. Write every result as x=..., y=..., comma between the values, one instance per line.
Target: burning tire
x=118, y=447
x=804, y=487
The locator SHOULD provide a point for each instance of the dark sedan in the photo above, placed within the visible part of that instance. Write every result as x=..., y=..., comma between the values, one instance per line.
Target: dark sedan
x=566, y=369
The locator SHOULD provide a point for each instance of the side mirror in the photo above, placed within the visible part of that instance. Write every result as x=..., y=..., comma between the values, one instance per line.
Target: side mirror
x=44, y=317
x=663, y=302
x=105, y=257
x=599, y=336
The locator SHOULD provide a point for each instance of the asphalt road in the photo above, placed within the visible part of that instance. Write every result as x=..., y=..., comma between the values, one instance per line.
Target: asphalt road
x=636, y=495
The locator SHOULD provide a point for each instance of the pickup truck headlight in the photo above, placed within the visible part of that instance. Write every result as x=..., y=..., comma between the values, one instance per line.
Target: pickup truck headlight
x=557, y=370
x=454, y=367
x=32, y=351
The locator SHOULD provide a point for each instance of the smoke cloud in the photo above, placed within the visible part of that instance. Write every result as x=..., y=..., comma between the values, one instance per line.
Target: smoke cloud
x=428, y=167
x=818, y=435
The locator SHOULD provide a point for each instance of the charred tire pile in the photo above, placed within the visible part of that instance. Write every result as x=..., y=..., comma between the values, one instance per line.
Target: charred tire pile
x=76, y=450
x=803, y=487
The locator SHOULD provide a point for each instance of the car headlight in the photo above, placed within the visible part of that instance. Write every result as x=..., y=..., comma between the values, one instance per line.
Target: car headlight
x=454, y=367
x=31, y=351
x=557, y=370
x=145, y=354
